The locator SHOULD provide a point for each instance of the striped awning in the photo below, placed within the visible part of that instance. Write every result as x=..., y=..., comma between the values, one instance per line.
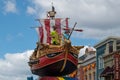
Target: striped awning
x=107, y=71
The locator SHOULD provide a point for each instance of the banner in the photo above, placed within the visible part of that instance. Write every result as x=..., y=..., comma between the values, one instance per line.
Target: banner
x=116, y=67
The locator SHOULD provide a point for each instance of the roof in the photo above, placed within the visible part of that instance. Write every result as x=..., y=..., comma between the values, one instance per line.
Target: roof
x=86, y=50
x=106, y=40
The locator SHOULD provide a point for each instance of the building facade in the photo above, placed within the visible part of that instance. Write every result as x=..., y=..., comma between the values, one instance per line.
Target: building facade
x=104, y=57
x=87, y=65
x=111, y=66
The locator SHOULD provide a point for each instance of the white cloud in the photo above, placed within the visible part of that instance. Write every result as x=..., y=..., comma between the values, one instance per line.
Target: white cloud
x=10, y=6
x=15, y=66
x=11, y=37
x=30, y=10
x=95, y=33
x=99, y=19
x=20, y=35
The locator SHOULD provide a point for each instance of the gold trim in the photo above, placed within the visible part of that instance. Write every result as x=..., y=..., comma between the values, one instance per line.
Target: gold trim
x=48, y=64
x=44, y=49
x=66, y=54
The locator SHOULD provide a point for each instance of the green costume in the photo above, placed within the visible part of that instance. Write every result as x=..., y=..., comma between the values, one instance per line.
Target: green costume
x=55, y=37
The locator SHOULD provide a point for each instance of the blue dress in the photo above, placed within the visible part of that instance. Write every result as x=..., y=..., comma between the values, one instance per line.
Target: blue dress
x=66, y=35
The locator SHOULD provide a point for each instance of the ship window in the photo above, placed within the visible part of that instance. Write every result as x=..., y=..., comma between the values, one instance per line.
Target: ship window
x=53, y=54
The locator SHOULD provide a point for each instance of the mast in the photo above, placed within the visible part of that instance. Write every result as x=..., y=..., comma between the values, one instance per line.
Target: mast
x=52, y=13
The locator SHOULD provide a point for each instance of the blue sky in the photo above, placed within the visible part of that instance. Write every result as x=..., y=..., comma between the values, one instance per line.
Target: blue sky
x=15, y=32
x=99, y=20
x=17, y=36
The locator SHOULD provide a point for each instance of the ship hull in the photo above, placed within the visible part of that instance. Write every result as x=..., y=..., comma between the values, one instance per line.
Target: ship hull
x=57, y=65
x=54, y=60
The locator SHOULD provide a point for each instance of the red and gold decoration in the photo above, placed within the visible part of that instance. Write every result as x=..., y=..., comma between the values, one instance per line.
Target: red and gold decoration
x=51, y=59
x=116, y=67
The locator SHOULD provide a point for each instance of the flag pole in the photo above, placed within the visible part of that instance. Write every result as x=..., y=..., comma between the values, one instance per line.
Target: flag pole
x=39, y=21
x=72, y=30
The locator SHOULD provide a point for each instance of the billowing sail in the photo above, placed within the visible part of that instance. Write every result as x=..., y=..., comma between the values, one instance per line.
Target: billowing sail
x=47, y=27
x=40, y=33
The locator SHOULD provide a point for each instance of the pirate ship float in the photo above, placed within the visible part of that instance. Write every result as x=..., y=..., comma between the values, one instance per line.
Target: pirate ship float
x=54, y=60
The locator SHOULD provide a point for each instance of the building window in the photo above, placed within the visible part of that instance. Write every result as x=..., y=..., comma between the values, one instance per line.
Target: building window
x=101, y=50
x=101, y=62
x=118, y=44
x=110, y=47
x=118, y=47
x=101, y=78
x=93, y=75
x=90, y=77
x=85, y=77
